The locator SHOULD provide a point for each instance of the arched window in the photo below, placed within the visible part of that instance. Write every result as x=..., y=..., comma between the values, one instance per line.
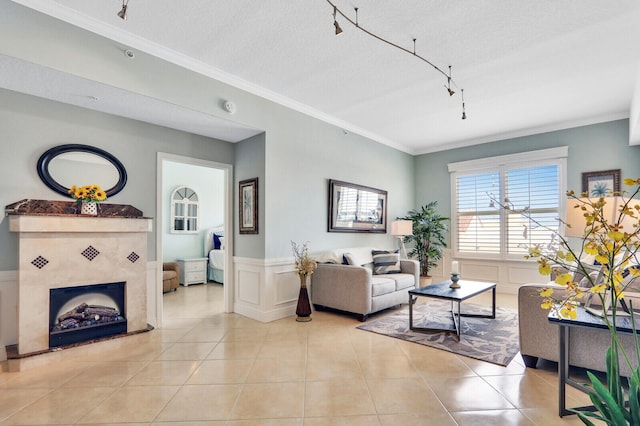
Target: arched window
x=184, y=210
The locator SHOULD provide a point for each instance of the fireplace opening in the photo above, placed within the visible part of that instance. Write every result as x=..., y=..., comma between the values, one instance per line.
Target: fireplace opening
x=82, y=313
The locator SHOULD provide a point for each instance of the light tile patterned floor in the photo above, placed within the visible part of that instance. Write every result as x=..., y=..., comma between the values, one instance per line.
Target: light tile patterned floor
x=205, y=367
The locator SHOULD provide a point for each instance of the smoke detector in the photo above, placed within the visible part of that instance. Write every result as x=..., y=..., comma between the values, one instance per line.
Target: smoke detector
x=229, y=106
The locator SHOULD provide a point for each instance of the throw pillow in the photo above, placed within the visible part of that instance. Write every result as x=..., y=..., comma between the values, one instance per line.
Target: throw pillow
x=216, y=242
x=386, y=262
x=348, y=259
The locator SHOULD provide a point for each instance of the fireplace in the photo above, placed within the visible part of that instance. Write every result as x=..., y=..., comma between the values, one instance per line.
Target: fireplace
x=60, y=251
x=86, y=312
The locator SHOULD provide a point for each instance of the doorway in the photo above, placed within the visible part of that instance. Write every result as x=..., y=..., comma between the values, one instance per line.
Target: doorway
x=208, y=179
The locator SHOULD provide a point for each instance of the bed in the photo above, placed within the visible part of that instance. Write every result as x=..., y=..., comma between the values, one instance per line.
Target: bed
x=214, y=249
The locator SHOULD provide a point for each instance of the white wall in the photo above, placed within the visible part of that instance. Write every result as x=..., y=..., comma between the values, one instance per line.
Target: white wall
x=209, y=185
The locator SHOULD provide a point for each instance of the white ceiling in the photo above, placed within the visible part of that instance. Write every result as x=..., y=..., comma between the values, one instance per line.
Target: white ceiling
x=525, y=66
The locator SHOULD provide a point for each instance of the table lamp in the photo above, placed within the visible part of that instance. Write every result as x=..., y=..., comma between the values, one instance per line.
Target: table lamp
x=400, y=229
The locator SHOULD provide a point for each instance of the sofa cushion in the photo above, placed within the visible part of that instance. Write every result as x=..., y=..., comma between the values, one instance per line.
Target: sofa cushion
x=386, y=262
x=361, y=255
x=382, y=285
x=403, y=281
x=349, y=259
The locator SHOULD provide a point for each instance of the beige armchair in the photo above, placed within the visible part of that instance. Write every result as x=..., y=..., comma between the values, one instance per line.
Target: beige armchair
x=170, y=276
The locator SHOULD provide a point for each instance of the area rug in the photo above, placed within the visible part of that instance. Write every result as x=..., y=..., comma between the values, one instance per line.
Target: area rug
x=491, y=340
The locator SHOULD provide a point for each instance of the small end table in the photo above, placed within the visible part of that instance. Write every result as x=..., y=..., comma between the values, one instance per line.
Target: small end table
x=193, y=270
x=586, y=320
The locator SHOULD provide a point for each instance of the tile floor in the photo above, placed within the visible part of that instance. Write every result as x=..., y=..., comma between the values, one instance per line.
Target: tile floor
x=205, y=367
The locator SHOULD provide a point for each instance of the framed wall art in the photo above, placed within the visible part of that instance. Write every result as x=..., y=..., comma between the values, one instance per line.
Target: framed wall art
x=248, y=196
x=601, y=184
x=356, y=208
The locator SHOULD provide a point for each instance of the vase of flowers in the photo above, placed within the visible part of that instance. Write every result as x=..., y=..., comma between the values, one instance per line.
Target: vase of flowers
x=611, y=234
x=88, y=197
x=305, y=266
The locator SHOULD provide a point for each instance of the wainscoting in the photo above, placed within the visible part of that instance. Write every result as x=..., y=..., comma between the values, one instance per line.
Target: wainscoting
x=265, y=290
x=508, y=275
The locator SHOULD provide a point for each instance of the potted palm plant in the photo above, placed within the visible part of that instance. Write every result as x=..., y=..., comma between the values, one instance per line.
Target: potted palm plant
x=429, y=228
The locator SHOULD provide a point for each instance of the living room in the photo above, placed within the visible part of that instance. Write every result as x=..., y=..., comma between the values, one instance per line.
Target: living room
x=293, y=155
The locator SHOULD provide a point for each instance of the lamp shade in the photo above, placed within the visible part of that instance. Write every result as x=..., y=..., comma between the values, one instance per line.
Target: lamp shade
x=401, y=228
x=610, y=213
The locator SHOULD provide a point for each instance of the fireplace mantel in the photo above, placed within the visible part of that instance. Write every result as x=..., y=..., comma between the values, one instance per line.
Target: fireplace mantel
x=68, y=208
x=77, y=224
x=69, y=250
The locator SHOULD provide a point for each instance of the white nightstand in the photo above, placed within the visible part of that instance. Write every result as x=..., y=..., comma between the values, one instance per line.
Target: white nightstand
x=193, y=271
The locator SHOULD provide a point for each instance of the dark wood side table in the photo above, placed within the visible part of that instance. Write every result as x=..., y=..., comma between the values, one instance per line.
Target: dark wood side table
x=583, y=319
x=442, y=290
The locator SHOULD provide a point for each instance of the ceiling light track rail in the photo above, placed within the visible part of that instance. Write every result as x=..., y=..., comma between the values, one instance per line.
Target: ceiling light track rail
x=355, y=23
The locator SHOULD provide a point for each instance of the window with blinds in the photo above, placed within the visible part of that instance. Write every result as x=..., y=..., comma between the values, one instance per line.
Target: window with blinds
x=499, y=211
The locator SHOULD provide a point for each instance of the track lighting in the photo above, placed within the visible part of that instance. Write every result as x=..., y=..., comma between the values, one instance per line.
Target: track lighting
x=335, y=22
x=338, y=29
x=356, y=24
x=123, y=12
x=448, y=86
x=464, y=113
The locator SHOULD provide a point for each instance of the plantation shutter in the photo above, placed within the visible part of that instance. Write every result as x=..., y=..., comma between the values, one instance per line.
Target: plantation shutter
x=502, y=206
x=534, y=190
x=478, y=219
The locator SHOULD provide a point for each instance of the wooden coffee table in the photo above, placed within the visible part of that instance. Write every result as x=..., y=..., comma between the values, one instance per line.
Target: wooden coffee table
x=441, y=290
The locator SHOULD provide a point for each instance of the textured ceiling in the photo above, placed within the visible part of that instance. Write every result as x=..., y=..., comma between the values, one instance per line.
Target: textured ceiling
x=525, y=66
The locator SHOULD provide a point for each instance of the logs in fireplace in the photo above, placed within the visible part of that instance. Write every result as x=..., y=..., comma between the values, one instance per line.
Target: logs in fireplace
x=85, y=315
x=86, y=320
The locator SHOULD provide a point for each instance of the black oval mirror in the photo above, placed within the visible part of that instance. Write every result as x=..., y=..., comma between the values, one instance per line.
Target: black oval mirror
x=74, y=164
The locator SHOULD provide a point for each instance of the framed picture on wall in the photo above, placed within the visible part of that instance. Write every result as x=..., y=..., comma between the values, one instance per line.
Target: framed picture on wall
x=601, y=184
x=248, y=196
x=356, y=208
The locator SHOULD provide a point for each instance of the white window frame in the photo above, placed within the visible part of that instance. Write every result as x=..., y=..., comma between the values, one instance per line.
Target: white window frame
x=557, y=156
x=186, y=217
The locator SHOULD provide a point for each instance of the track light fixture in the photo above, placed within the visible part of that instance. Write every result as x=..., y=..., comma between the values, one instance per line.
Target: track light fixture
x=464, y=113
x=448, y=86
x=356, y=24
x=335, y=22
x=123, y=12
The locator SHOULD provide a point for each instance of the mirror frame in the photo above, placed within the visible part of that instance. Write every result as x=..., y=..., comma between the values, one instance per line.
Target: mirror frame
x=51, y=154
x=363, y=226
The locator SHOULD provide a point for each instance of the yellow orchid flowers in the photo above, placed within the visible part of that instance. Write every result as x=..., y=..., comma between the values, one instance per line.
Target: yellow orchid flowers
x=610, y=243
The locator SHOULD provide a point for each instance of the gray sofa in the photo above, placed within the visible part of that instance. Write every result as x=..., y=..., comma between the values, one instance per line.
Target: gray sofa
x=539, y=337
x=355, y=288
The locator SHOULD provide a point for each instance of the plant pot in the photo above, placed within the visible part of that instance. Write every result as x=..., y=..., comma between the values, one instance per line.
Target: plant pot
x=425, y=280
x=303, y=310
x=90, y=208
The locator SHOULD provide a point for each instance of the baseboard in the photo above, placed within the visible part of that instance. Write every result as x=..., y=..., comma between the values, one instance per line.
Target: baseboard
x=264, y=316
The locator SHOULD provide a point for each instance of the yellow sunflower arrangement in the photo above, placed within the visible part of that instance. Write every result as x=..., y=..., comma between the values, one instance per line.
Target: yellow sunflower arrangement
x=87, y=193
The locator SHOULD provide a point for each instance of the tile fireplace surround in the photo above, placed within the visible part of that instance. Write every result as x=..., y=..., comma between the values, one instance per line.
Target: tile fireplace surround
x=69, y=250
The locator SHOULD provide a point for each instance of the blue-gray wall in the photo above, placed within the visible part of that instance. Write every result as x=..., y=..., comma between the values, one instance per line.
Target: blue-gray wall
x=249, y=164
